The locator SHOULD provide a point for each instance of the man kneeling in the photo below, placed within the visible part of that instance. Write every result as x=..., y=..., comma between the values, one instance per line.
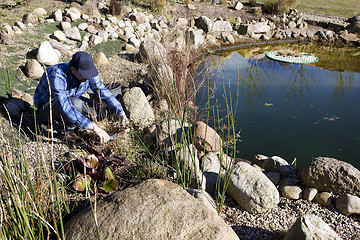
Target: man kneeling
x=68, y=81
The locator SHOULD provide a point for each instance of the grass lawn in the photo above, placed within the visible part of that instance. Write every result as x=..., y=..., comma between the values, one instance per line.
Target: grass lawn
x=340, y=8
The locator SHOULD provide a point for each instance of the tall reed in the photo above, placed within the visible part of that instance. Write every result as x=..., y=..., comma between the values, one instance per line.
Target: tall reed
x=32, y=200
x=179, y=88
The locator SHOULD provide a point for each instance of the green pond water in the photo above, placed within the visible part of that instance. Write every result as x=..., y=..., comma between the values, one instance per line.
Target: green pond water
x=288, y=110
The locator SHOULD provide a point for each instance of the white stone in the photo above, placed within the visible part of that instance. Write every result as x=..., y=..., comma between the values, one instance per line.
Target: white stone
x=58, y=15
x=39, y=12
x=238, y=6
x=83, y=26
x=196, y=39
x=59, y=36
x=73, y=33
x=121, y=24
x=85, y=16
x=221, y=26
x=73, y=13
x=103, y=34
x=46, y=54
x=95, y=40
x=65, y=25
x=134, y=41
x=20, y=24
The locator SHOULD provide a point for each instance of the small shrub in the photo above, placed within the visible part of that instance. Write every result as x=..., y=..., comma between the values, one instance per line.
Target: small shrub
x=252, y=3
x=279, y=6
x=157, y=5
x=116, y=6
x=187, y=1
x=23, y=2
x=256, y=11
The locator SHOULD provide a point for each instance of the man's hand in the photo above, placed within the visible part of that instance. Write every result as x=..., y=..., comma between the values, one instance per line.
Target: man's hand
x=104, y=137
x=124, y=122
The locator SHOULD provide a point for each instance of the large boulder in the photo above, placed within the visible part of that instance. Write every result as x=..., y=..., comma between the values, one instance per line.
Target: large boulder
x=155, y=209
x=251, y=189
x=332, y=175
x=206, y=138
x=348, y=204
x=46, y=54
x=310, y=226
x=138, y=107
x=153, y=51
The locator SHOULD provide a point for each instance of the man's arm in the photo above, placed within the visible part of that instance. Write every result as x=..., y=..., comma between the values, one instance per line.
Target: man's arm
x=109, y=99
x=104, y=137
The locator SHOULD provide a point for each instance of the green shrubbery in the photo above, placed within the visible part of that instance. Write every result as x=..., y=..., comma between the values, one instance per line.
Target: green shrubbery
x=279, y=6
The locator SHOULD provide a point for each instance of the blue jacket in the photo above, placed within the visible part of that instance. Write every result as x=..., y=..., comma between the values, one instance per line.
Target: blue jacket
x=64, y=86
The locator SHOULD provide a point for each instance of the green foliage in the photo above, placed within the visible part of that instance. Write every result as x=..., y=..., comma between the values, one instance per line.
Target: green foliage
x=109, y=186
x=279, y=6
x=252, y=3
x=109, y=48
x=158, y=5
x=23, y=2
x=234, y=20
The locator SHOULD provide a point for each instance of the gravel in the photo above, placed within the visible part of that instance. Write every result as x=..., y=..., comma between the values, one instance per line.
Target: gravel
x=274, y=223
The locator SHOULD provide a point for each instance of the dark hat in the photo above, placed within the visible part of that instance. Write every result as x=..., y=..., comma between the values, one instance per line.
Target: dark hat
x=83, y=62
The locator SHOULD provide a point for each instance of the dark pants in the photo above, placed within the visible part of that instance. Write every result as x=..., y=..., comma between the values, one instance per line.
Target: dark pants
x=90, y=108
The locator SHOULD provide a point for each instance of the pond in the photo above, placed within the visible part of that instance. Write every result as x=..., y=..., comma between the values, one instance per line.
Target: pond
x=288, y=110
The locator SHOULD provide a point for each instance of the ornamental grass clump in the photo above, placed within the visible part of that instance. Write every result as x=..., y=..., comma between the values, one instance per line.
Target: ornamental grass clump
x=279, y=6
x=32, y=202
x=180, y=90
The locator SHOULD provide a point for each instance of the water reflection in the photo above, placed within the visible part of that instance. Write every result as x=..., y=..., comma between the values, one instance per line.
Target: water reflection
x=344, y=82
x=291, y=110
